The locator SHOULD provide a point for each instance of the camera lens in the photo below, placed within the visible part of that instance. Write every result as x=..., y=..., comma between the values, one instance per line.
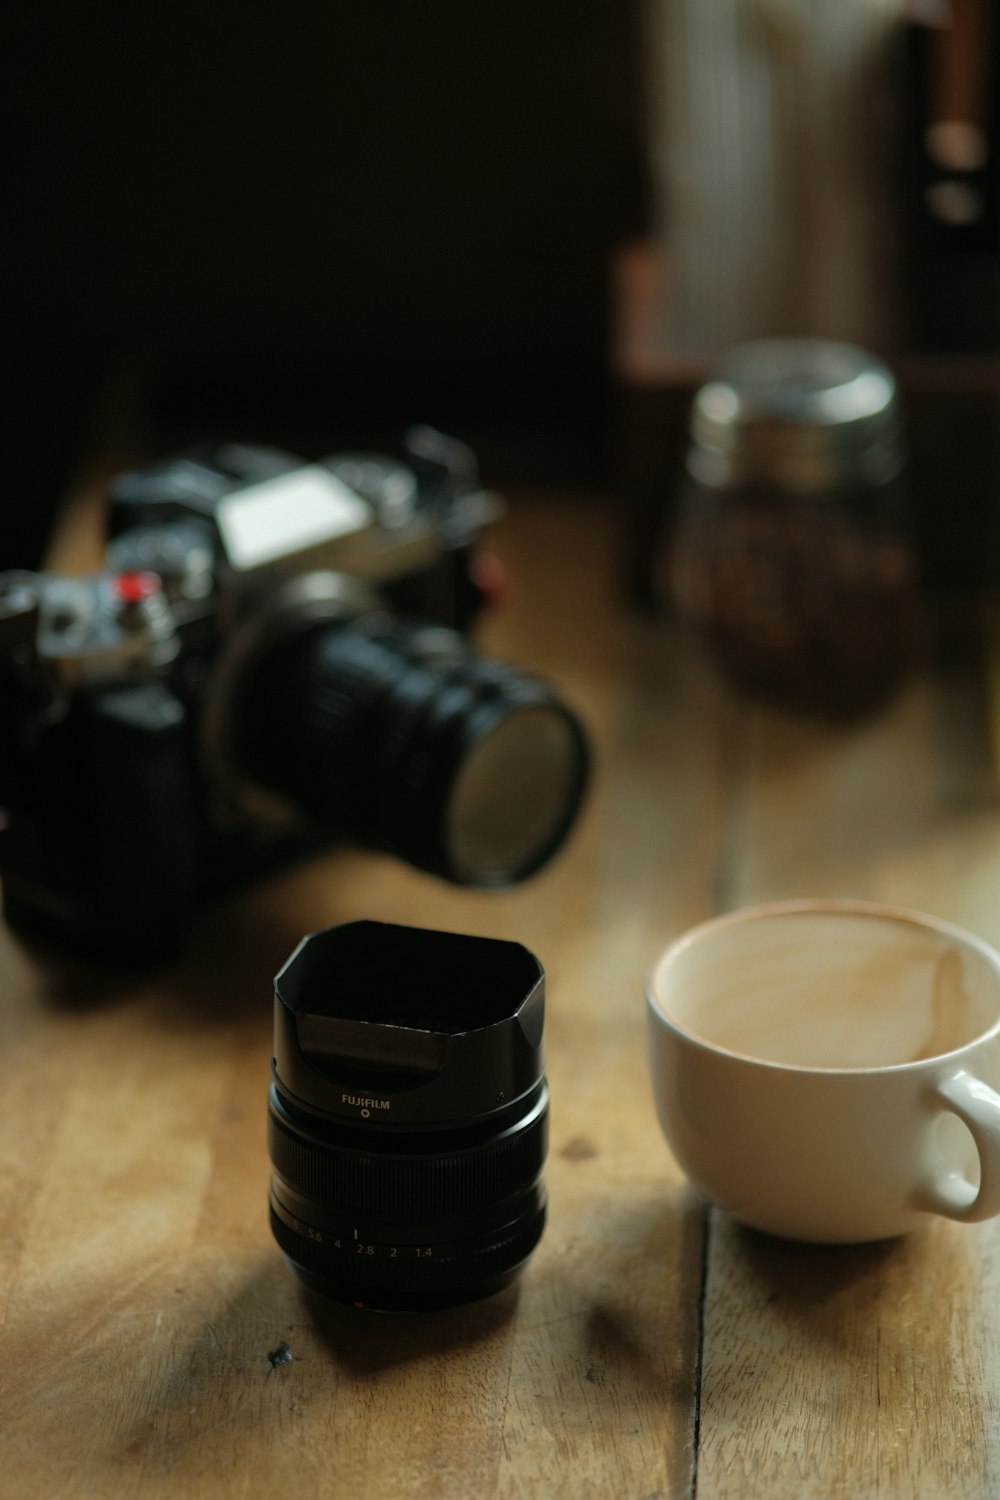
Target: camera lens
x=408, y=1114
x=405, y=738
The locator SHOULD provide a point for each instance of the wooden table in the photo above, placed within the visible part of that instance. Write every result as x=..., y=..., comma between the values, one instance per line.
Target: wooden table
x=651, y=1346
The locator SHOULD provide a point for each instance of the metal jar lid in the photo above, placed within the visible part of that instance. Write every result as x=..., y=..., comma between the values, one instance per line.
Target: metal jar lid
x=806, y=416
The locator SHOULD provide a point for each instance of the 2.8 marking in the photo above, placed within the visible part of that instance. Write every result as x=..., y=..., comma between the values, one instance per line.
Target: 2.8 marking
x=366, y=1248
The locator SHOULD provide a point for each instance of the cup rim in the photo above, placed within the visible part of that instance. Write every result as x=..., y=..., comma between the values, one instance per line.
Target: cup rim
x=813, y=906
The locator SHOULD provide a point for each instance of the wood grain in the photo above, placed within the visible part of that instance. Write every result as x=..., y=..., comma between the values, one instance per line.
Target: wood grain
x=152, y=1342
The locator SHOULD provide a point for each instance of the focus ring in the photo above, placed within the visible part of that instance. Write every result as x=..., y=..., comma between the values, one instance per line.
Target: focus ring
x=403, y=1185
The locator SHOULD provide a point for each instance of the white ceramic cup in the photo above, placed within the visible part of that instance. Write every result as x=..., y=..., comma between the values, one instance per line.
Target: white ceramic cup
x=829, y=1070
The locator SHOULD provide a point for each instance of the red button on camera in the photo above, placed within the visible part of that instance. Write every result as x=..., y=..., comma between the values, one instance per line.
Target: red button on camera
x=135, y=588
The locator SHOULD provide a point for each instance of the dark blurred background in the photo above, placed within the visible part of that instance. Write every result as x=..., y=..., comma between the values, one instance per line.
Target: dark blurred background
x=314, y=224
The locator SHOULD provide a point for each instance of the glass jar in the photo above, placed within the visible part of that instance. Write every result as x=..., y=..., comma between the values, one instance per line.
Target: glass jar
x=791, y=557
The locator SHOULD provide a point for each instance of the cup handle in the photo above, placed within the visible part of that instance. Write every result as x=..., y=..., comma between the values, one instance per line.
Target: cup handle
x=977, y=1106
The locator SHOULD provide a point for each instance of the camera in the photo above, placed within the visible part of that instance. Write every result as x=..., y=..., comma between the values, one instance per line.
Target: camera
x=408, y=1114
x=275, y=653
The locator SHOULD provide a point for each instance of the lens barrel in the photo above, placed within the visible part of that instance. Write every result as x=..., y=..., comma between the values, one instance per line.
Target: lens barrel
x=403, y=737
x=408, y=1114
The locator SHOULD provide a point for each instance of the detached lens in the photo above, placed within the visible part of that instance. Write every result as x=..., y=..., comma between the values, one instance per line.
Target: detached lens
x=403, y=737
x=408, y=1114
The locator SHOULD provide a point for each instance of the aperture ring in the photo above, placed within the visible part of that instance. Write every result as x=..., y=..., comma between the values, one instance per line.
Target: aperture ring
x=360, y=1264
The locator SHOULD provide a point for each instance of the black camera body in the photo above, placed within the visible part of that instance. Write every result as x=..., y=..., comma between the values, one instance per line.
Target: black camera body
x=275, y=652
